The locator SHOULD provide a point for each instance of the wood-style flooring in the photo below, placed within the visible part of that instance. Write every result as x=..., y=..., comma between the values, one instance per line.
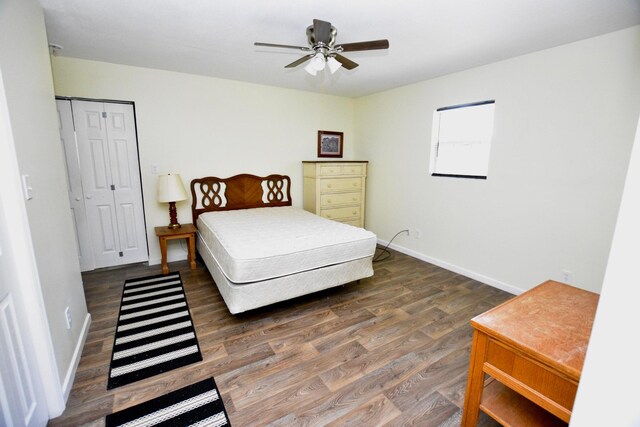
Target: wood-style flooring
x=390, y=350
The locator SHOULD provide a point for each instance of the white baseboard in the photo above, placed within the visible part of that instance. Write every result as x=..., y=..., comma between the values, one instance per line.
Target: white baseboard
x=75, y=360
x=456, y=269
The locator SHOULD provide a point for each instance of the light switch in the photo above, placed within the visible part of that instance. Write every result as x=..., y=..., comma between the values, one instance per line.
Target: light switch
x=28, y=190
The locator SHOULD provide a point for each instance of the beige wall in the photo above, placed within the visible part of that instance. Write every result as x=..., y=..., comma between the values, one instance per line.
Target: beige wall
x=199, y=126
x=26, y=71
x=564, y=125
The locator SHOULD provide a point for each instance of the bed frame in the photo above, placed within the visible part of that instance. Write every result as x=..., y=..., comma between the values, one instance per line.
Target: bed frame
x=247, y=191
x=242, y=191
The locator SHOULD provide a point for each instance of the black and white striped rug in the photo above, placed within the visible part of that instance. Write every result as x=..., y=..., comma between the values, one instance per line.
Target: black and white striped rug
x=155, y=332
x=195, y=405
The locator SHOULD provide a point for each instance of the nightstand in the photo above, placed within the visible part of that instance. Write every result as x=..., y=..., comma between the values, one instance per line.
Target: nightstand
x=186, y=231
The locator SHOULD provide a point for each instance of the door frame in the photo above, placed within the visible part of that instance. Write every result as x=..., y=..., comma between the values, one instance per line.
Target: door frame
x=135, y=121
x=28, y=290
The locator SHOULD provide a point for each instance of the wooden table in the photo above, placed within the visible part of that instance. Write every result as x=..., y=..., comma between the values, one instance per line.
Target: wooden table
x=532, y=347
x=186, y=231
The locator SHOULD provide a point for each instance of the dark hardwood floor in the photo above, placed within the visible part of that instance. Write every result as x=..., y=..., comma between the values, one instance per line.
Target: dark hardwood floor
x=389, y=350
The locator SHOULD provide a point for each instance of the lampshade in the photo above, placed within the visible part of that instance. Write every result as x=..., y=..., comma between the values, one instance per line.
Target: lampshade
x=309, y=69
x=317, y=63
x=333, y=64
x=170, y=188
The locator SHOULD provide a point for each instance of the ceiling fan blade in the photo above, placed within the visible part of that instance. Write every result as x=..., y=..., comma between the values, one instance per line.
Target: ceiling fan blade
x=368, y=45
x=299, y=61
x=346, y=62
x=287, y=46
x=321, y=31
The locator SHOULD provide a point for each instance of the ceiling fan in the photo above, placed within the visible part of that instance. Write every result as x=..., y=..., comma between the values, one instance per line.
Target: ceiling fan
x=323, y=50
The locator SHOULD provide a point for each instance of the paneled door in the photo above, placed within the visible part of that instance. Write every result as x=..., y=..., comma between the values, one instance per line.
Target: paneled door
x=109, y=175
x=22, y=400
x=76, y=197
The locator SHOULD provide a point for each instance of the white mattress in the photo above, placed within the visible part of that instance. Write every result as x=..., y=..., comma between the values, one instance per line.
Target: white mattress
x=252, y=245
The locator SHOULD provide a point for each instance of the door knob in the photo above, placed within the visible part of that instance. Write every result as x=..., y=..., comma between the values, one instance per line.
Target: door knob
x=89, y=196
x=78, y=199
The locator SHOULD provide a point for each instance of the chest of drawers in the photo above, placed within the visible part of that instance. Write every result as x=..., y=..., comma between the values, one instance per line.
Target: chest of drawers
x=336, y=190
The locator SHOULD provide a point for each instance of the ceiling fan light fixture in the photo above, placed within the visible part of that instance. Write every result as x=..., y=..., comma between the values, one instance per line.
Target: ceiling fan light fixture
x=309, y=68
x=318, y=61
x=333, y=64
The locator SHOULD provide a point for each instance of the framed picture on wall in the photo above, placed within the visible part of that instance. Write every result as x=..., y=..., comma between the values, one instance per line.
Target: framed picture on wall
x=330, y=143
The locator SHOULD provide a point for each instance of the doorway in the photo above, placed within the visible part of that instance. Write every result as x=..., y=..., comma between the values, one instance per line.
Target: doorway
x=105, y=191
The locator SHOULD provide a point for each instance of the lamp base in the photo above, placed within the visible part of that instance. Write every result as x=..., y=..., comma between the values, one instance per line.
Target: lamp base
x=173, y=217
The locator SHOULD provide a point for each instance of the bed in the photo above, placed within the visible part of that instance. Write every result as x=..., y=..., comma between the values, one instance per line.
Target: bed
x=261, y=250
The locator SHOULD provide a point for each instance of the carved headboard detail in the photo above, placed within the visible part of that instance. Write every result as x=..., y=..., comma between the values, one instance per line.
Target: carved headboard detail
x=242, y=191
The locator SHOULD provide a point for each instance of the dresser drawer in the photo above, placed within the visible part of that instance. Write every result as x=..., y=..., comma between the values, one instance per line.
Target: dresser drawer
x=340, y=184
x=329, y=200
x=330, y=170
x=353, y=170
x=338, y=170
x=341, y=213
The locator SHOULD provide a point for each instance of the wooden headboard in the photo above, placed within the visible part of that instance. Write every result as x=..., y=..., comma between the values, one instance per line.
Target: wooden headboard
x=242, y=191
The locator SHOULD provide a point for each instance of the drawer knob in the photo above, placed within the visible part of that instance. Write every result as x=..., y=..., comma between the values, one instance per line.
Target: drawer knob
x=328, y=185
x=354, y=199
x=328, y=200
x=354, y=212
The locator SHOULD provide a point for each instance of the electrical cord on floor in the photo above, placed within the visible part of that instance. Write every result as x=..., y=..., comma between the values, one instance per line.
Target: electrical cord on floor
x=384, y=250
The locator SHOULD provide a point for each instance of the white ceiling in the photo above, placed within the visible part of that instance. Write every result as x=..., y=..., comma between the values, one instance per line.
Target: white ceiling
x=428, y=38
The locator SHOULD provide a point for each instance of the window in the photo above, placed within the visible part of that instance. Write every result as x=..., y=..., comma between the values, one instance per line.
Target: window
x=461, y=140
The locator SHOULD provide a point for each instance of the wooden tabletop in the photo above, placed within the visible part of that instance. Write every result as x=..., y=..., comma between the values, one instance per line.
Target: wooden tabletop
x=166, y=231
x=552, y=320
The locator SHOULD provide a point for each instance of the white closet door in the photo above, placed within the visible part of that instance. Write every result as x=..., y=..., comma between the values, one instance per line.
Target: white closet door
x=76, y=196
x=125, y=175
x=108, y=158
x=93, y=151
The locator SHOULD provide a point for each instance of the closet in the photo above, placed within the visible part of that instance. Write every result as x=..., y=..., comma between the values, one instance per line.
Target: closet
x=105, y=191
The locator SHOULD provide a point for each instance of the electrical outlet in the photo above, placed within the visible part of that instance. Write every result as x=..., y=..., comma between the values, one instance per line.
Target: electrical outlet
x=154, y=168
x=567, y=276
x=408, y=232
x=67, y=315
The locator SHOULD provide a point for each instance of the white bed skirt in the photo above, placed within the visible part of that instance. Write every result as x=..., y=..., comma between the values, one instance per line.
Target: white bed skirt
x=247, y=296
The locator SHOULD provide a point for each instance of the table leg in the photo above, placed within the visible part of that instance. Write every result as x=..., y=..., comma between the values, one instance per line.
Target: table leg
x=163, y=251
x=192, y=251
x=475, y=381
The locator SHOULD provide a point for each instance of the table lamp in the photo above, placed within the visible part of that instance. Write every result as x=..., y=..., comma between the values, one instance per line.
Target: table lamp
x=171, y=190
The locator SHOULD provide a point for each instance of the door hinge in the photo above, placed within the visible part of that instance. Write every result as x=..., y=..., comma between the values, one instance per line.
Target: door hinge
x=104, y=114
x=113, y=187
x=121, y=254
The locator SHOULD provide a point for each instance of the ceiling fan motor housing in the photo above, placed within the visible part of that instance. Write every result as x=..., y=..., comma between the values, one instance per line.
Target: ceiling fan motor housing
x=312, y=38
